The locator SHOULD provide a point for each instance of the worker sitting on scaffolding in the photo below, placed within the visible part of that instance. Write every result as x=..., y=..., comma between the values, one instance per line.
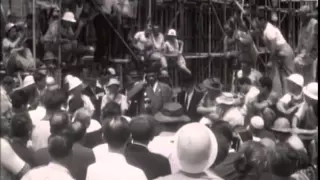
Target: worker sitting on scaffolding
x=173, y=48
x=149, y=45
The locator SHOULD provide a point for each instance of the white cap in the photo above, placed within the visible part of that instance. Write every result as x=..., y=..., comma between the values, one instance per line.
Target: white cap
x=113, y=81
x=27, y=81
x=8, y=27
x=74, y=82
x=172, y=32
x=257, y=122
x=69, y=16
x=311, y=90
x=297, y=79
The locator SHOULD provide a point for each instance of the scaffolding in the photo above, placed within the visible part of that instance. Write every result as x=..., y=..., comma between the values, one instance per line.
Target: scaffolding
x=199, y=25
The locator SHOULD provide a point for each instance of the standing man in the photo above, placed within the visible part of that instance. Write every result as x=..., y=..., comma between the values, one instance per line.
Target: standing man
x=189, y=98
x=281, y=54
x=307, y=49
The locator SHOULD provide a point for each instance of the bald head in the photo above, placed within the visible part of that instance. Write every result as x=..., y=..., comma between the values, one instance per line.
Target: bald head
x=59, y=122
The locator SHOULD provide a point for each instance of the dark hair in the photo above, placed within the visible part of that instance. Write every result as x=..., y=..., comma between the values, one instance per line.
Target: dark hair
x=266, y=82
x=224, y=135
x=59, y=146
x=252, y=157
x=116, y=132
x=111, y=109
x=7, y=80
x=284, y=160
x=21, y=125
x=82, y=115
x=78, y=130
x=59, y=122
x=142, y=128
x=38, y=76
x=75, y=104
x=19, y=99
x=53, y=99
x=244, y=81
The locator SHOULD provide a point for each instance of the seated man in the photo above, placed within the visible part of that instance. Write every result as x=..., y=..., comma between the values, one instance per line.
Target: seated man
x=149, y=44
x=173, y=48
x=68, y=42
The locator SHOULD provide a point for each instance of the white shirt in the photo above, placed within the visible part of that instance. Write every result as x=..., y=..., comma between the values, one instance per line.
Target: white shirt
x=101, y=151
x=271, y=35
x=249, y=98
x=120, y=99
x=164, y=145
x=37, y=114
x=287, y=98
x=86, y=101
x=52, y=171
x=115, y=168
x=143, y=41
x=40, y=135
x=94, y=126
x=158, y=41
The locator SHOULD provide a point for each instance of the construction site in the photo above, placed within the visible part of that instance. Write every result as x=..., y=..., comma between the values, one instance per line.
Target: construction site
x=199, y=24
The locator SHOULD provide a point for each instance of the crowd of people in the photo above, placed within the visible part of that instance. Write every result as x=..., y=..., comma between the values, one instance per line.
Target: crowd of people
x=137, y=128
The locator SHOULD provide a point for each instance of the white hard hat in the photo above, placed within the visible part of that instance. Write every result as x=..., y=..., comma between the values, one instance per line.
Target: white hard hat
x=172, y=32
x=296, y=79
x=69, y=16
x=311, y=90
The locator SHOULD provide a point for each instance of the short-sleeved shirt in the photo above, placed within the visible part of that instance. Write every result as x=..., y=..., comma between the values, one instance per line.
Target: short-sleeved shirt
x=158, y=41
x=171, y=47
x=290, y=100
x=143, y=41
x=307, y=118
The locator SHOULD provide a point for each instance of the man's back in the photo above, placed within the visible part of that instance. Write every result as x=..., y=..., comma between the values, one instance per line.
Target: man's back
x=140, y=157
x=81, y=158
x=115, y=168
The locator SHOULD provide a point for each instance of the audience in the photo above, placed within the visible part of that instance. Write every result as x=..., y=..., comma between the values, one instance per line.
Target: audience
x=146, y=127
x=117, y=134
x=137, y=152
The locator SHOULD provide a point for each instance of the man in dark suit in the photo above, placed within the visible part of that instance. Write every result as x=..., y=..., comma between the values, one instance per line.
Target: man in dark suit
x=189, y=98
x=151, y=93
x=81, y=156
x=137, y=153
x=95, y=94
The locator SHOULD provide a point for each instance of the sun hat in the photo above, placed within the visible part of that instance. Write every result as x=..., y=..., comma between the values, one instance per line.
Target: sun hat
x=226, y=98
x=196, y=148
x=74, y=82
x=296, y=143
x=311, y=90
x=281, y=125
x=113, y=81
x=212, y=84
x=27, y=81
x=296, y=79
x=257, y=122
x=69, y=16
x=67, y=79
x=171, y=112
x=304, y=9
x=9, y=26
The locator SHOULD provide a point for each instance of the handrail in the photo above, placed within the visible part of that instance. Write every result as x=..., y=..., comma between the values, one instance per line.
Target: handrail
x=119, y=35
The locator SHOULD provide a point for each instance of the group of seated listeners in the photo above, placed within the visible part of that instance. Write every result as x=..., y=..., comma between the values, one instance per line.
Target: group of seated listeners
x=140, y=129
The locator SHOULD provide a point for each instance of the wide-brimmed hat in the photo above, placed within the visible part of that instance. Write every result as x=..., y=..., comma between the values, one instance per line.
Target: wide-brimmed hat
x=113, y=81
x=74, y=82
x=69, y=16
x=196, y=148
x=296, y=79
x=212, y=84
x=281, y=125
x=27, y=81
x=172, y=33
x=311, y=90
x=226, y=98
x=9, y=26
x=49, y=56
x=171, y=112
